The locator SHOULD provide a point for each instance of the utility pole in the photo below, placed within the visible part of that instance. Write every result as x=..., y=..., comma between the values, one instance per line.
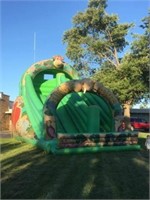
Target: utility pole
x=34, y=47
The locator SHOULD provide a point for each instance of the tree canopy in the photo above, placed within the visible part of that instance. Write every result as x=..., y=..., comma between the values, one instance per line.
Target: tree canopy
x=97, y=37
x=131, y=81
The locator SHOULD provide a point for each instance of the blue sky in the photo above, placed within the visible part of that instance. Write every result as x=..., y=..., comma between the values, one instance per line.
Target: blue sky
x=49, y=20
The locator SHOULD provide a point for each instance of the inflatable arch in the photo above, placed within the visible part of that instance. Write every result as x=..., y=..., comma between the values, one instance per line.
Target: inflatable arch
x=62, y=113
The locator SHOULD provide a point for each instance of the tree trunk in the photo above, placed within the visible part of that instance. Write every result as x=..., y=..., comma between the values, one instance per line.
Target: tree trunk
x=126, y=109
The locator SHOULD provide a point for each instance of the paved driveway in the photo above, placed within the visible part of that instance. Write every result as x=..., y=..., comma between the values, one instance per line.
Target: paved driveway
x=6, y=134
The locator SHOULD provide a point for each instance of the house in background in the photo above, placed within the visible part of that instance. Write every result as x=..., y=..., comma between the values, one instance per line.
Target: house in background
x=143, y=113
x=5, y=112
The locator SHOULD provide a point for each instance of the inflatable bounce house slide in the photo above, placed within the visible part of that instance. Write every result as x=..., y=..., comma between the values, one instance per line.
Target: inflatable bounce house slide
x=61, y=113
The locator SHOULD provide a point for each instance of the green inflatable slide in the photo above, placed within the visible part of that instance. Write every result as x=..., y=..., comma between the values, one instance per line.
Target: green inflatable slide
x=62, y=113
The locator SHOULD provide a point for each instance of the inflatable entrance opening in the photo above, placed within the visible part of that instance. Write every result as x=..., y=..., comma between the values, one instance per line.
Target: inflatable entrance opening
x=62, y=113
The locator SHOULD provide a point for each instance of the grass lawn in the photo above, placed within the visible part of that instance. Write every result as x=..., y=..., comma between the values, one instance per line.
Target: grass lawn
x=30, y=173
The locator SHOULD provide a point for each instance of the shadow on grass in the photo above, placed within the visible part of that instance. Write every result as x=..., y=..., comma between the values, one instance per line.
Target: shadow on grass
x=113, y=175
x=125, y=176
x=8, y=147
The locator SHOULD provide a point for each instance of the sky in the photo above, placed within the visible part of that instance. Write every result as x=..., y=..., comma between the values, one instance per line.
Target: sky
x=33, y=30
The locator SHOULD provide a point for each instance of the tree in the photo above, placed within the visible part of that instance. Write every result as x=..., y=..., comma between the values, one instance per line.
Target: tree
x=140, y=50
x=97, y=37
x=131, y=81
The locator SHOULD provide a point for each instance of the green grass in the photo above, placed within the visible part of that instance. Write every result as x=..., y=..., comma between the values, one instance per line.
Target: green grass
x=30, y=173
